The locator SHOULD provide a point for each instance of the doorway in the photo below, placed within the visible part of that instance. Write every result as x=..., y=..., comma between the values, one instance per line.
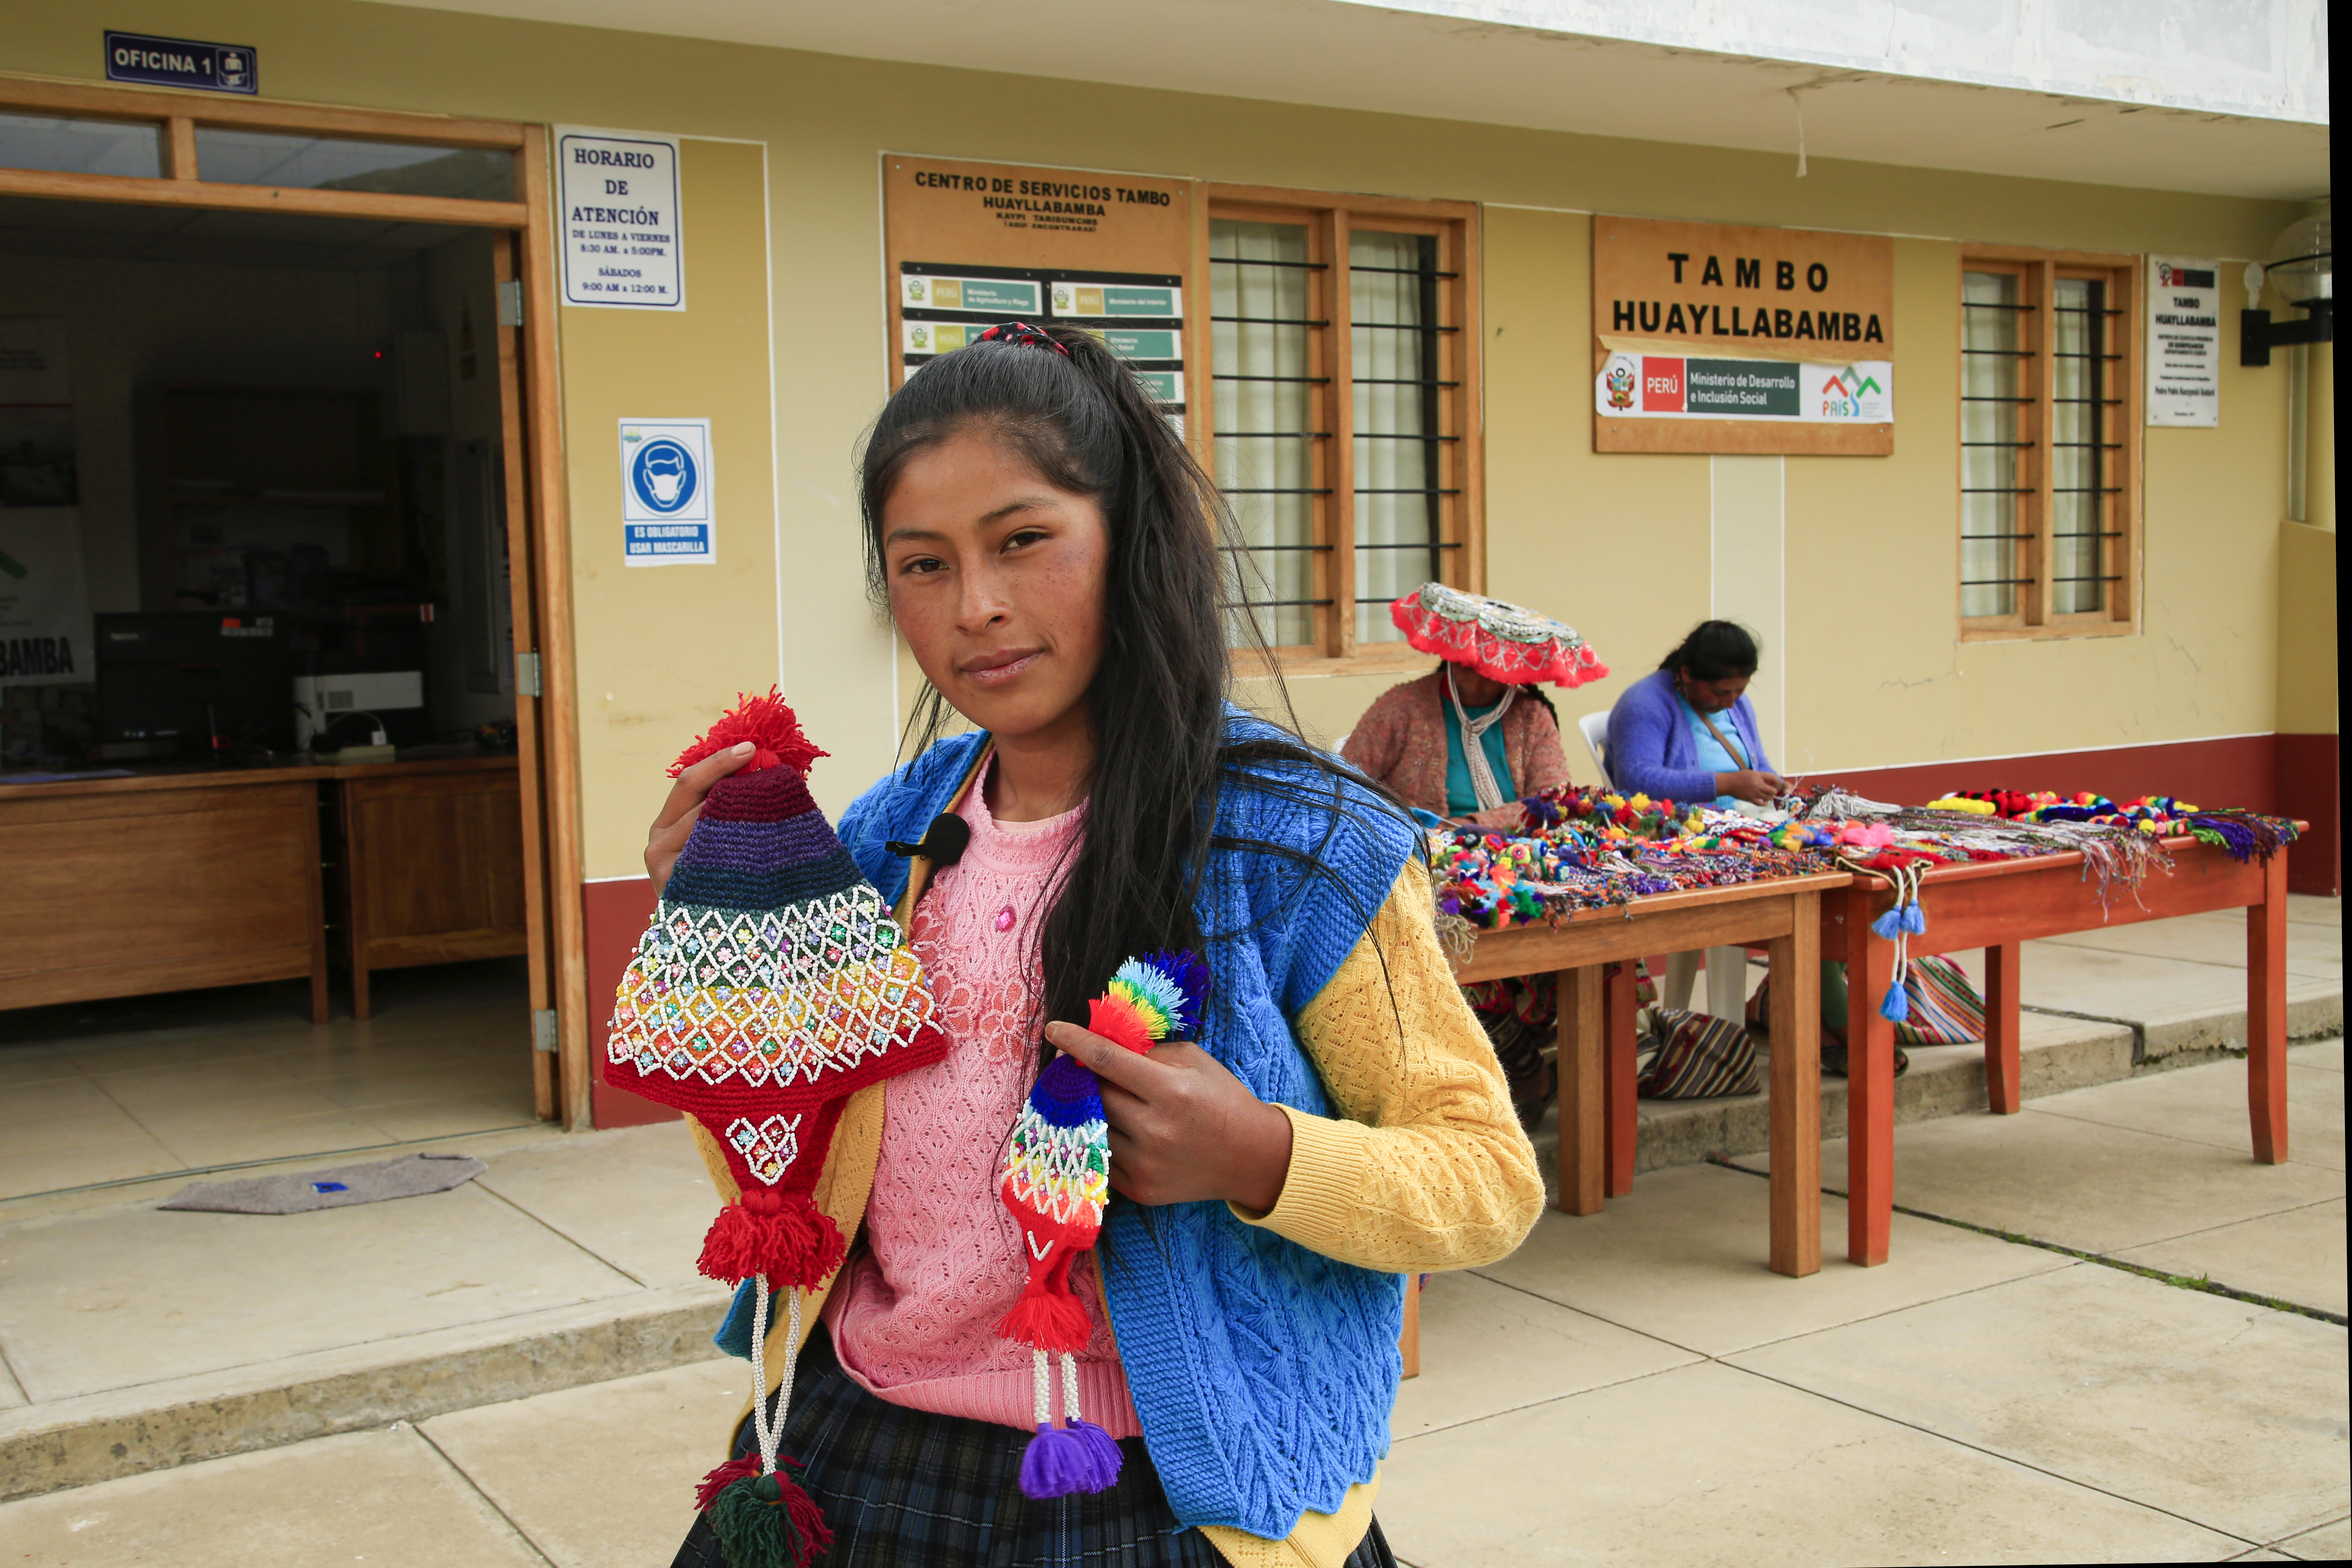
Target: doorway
x=298, y=410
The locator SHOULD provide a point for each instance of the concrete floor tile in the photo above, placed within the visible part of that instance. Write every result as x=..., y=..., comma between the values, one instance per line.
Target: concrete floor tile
x=374, y=1497
x=57, y=1108
x=2298, y=1256
x=2082, y=1184
x=205, y=1142
x=2218, y=1411
x=1707, y=1465
x=448, y=1118
x=373, y=1084
x=99, y=1145
x=113, y=1299
x=2207, y=1104
x=2328, y=1543
x=2327, y=1055
x=636, y=1197
x=210, y=1092
x=21, y=1065
x=633, y=1449
x=2220, y=937
x=2314, y=909
x=1486, y=1348
x=1683, y=1258
x=2101, y=983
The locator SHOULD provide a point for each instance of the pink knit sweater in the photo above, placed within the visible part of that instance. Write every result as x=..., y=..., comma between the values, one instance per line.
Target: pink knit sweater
x=914, y=1319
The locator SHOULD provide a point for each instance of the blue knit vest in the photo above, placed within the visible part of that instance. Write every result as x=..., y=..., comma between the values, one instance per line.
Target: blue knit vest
x=1263, y=1373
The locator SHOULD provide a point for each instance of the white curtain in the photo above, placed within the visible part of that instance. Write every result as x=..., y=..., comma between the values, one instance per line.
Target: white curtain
x=1265, y=443
x=1991, y=334
x=1397, y=519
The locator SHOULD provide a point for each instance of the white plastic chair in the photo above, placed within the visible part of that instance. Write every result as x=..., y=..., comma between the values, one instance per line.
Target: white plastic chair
x=1726, y=967
x=1595, y=727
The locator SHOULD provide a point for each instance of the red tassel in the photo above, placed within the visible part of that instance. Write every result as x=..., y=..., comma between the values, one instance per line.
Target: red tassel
x=720, y=1479
x=1118, y=1022
x=793, y=1242
x=1048, y=1317
x=767, y=722
x=808, y=1519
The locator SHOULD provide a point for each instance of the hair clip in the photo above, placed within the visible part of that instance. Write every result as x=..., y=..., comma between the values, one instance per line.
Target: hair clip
x=1022, y=333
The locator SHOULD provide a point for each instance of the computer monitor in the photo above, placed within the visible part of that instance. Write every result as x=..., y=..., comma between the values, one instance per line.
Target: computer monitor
x=193, y=683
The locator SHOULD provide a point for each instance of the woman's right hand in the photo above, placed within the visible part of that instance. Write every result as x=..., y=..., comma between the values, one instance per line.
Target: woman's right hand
x=668, y=833
x=1754, y=786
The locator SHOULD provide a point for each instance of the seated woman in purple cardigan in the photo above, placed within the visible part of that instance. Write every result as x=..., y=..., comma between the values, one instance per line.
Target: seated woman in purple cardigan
x=1686, y=732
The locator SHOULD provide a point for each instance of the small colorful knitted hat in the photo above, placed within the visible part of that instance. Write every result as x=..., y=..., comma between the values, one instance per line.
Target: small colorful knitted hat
x=1057, y=1181
x=772, y=984
x=1501, y=641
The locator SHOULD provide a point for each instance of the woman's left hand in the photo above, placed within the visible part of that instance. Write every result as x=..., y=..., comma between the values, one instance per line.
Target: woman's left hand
x=1183, y=1129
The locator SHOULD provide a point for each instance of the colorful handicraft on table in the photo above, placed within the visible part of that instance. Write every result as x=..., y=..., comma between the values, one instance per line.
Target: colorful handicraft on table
x=1057, y=1181
x=770, y=984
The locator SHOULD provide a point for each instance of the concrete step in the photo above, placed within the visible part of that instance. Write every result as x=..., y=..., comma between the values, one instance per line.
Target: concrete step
x=2059, y=1051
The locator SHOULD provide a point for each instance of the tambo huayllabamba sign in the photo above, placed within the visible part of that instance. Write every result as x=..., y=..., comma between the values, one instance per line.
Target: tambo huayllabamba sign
x=1709, y=338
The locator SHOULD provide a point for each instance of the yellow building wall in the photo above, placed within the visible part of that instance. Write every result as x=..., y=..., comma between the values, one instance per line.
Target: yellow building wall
x=1618, y=545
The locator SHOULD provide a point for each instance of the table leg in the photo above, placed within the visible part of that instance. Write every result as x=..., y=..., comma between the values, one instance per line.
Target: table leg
x=2266, y=1015
x=2002, y=1085
x=1619, y=1079
x=1870, y=1083
x=1796, y=1091
x=1408, y=1341
x=1584, y=1127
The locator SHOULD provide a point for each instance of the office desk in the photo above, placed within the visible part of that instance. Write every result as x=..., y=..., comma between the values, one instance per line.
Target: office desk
x=162, y=882
x=176, y=879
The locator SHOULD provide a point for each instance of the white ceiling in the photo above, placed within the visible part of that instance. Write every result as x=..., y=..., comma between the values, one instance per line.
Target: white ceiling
x=1350, y=55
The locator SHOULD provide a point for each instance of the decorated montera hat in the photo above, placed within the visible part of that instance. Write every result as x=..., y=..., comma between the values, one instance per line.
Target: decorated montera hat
x=1501, y=641
x=772, y=984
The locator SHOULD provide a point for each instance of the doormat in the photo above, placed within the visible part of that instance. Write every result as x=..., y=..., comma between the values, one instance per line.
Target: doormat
x=411, y=1176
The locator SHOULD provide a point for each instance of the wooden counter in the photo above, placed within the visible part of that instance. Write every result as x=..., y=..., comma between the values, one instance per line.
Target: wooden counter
x=193, y=876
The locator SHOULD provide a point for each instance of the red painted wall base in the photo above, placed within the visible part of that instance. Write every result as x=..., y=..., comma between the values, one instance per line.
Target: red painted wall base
x=615, y=916
x=2311, y=786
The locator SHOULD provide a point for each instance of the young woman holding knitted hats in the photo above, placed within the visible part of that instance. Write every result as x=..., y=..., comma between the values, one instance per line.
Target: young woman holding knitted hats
x=1046, y=546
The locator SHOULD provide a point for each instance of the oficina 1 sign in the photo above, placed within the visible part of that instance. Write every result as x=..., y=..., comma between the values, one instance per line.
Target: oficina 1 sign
x=182, y=62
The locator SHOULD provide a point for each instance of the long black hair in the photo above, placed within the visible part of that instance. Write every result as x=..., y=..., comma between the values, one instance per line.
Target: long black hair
x=1715, y=650
x=1163, y=752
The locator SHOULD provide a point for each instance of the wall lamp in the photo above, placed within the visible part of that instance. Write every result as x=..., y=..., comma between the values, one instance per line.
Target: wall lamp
x=2300, y=271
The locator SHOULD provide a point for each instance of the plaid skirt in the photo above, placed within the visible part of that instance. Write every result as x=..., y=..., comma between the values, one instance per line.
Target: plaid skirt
x=908, y=1489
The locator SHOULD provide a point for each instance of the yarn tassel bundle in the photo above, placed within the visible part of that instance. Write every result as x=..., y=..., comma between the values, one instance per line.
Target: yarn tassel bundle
x=1057, y=1183
x=770, y=985
x=1905, y=918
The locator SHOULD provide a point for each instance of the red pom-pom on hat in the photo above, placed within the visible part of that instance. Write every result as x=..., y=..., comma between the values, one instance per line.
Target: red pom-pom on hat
x=769, y=723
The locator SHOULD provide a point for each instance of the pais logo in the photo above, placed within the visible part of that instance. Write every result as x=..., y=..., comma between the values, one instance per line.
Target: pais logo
x=1618, y=380
x=664, y=475
x=1843, y=392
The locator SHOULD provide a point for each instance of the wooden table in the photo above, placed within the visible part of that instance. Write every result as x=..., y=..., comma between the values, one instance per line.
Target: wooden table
x=121, y=887
x=431, y=864
x=1996, y=905
x=1596, y=1032
x=189, y=876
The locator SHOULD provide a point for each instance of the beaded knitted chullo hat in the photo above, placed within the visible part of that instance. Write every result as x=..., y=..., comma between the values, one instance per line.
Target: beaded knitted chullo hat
x=1501, y=641
x=771, y=984
x=1057, y=1181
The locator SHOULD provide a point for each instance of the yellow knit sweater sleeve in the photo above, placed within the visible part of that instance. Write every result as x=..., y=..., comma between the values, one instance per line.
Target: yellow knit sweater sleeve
x=1424, y=1166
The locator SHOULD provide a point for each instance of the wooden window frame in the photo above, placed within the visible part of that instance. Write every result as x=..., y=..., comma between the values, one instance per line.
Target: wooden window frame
x=1329, y=218
x=532, y=435
x=2035, y=619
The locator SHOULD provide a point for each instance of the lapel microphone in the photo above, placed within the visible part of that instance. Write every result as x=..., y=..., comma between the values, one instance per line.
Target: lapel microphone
x=943, y=843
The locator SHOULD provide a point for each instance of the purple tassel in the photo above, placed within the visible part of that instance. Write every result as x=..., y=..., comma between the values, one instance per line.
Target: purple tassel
x=1897, y=1006
x=1888, y=925
x=1103, y=1454
x=1914, y=919
x=1057, y=1462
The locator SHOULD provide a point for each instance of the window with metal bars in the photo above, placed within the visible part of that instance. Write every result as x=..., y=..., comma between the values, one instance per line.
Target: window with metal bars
x=1347, y=457
x=2048, y=453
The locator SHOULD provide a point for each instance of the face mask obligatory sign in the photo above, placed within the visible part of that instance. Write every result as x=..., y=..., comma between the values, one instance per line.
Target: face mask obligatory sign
x=667, y=513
